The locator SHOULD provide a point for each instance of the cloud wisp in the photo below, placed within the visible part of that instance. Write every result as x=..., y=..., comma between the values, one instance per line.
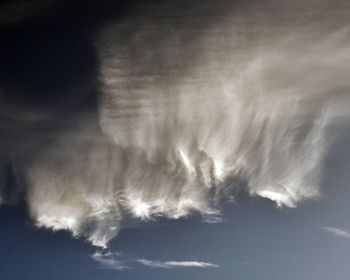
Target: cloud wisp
x=337, y=232
x=119, y=261
x=110, y=260
x=176, y=264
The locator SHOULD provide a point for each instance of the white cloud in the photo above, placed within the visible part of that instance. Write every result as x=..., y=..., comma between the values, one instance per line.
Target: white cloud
x=280, y=198
x=176, y=264
x=110, y=260
x=337, y=232
x=119, y=261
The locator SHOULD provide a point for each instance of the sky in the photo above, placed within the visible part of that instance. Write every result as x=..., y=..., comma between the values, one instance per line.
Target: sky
x=174, y=139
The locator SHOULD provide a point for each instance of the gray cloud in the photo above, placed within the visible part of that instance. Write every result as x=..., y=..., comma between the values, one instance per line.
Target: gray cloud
x=189, y=108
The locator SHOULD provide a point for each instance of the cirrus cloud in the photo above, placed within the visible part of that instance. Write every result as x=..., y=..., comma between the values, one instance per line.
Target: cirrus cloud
x=120, y=261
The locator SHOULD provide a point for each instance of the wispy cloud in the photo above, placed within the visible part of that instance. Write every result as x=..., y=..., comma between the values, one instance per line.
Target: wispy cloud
x=338, y=232
x=119, y=261
x=110, y=260
x=175, y=264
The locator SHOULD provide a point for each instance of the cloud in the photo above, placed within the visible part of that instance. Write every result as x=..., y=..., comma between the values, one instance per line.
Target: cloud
x=110, y=260
x=119, y=261
x=182, y=118
x=337, y=232
x=176, y=264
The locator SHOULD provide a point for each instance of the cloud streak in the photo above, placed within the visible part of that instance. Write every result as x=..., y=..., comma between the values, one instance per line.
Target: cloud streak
x=176, y=264
x=118, y=261
x=337, y=232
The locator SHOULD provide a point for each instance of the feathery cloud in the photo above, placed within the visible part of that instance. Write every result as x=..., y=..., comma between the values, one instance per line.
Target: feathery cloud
x=119, y=261
x=110, y=260
x=175, y=264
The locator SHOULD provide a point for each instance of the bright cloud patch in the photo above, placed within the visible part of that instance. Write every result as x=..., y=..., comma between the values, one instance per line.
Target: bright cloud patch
x=175, y=264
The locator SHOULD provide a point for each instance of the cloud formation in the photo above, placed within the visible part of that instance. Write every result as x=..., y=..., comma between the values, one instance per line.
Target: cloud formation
x=110, y=260
x=338, y=232
x=196, y=102
x=175, y=264
x=118, y=261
